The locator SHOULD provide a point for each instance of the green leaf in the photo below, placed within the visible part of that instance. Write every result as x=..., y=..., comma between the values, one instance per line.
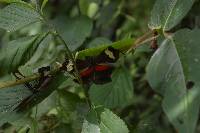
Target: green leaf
x=168, y=13
x=89, y=7
x=18, y=52
x=90, y=124
x=84, y=4
x=12, y=1
x=122, y=45
x=111, y=123
x=74, y=31
x=171, y=67
x=117, y=93
x=18, y=15
x=98, y=42
x=9, y=100
x=47, y=53
x=62, y=128
x=11, y=97
x=44, y=4
x=108, y=13
x=46, y=105
x=68, y=100
x=103, y=121
x=55, y=81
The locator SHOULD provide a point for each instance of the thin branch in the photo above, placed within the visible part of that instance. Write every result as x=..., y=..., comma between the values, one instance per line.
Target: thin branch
x=141, y=40
x=7, y=84
x=71, y=57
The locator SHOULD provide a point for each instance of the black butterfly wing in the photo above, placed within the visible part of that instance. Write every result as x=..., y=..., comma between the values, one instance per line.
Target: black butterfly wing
x=104, y=66
x=102, y=74
x=109, y=55
x=85, y=68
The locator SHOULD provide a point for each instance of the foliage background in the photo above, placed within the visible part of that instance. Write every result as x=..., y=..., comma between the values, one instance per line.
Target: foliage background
x=110, y=21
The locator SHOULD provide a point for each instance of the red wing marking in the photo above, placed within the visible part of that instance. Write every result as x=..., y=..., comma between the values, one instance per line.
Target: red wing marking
x=102, y=67
x=87, y=72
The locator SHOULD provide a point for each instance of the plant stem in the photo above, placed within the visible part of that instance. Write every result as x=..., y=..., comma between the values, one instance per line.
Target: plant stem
x=77, y=75
x=141, y=40
x=24, y=80
x=71, y=57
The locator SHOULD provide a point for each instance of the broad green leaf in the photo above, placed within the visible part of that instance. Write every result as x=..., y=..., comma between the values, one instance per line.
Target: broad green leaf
x=90, y=124
x=103, y=121
x=10, y=98
x=122, y=45
x=111, y=123
x=168, y=13
x=18, y=52
x=108, y=13
x=55, y=81
x=98, y=42
x=171, y=67
x=46, y=105
x=68, y=100
x=74, y=31
x=47, y=53
x=17, y=15
x=117, y=93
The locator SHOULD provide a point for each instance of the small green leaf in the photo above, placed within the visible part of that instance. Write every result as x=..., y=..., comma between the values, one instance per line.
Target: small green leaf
x=117, y=93
x=74, y=31
x=111, y=123
x=168, y=13
x=17, y=15
x=170, y=69
x=18, y=52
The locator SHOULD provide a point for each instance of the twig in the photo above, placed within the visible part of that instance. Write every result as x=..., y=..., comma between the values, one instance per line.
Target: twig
x=24, y=80
x=71, y=57
x=141, y=40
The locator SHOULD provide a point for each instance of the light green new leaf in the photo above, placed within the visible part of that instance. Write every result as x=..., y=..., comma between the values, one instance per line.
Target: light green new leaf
x=17, y=15
x=89, y=7
x=168, y=13
x=111, y=123
x=173, y=65
x=18, y=52
x=83, y=5
x=117, y=93
x=74, y=31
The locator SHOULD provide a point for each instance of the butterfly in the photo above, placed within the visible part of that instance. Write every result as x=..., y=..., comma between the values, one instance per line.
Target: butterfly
x=38, y=88
x=96, y=69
